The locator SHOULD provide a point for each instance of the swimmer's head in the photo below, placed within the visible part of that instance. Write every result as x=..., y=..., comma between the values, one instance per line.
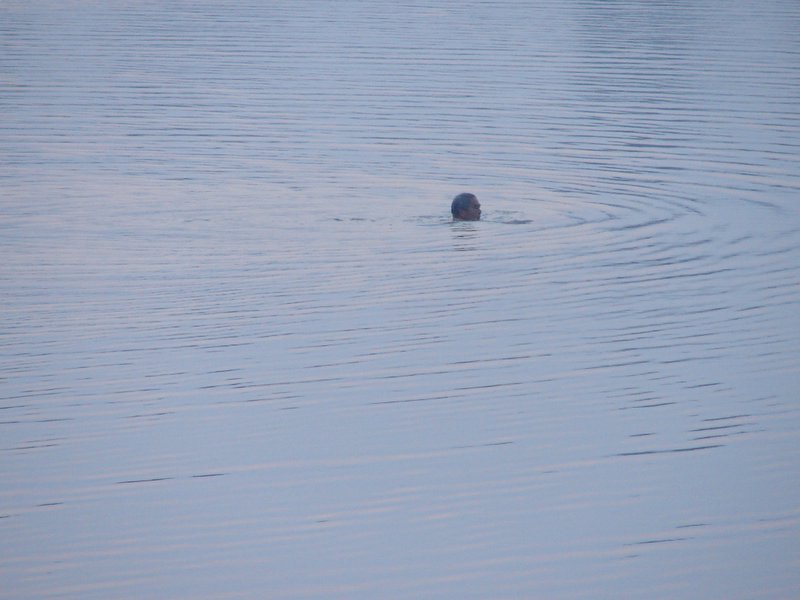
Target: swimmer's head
x=465, y=207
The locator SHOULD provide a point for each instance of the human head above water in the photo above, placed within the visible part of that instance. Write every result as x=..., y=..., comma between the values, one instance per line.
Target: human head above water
x=465, y=207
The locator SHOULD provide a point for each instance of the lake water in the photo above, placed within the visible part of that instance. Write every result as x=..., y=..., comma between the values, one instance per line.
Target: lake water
x=246, y=354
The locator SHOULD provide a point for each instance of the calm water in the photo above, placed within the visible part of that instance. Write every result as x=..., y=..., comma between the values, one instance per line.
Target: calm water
x=246, y=354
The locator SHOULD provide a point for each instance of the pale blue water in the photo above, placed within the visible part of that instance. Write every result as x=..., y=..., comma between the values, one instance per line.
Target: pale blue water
x=246, y=354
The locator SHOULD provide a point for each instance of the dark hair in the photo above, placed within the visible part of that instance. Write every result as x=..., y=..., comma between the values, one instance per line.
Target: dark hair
x=461, y=203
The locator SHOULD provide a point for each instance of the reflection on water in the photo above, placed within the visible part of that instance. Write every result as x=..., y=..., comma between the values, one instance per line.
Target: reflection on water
x=247, y=353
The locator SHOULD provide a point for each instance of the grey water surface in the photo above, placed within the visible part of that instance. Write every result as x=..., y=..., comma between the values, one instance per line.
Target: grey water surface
x=246, y=354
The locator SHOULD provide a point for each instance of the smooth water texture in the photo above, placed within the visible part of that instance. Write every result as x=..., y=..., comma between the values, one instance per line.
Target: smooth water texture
x=246, y=354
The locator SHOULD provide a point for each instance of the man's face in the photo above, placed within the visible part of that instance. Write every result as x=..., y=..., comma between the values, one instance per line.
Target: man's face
x=472, y=212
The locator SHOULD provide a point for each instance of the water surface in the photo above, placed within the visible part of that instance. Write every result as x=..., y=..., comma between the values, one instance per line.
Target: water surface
x=246, y=354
